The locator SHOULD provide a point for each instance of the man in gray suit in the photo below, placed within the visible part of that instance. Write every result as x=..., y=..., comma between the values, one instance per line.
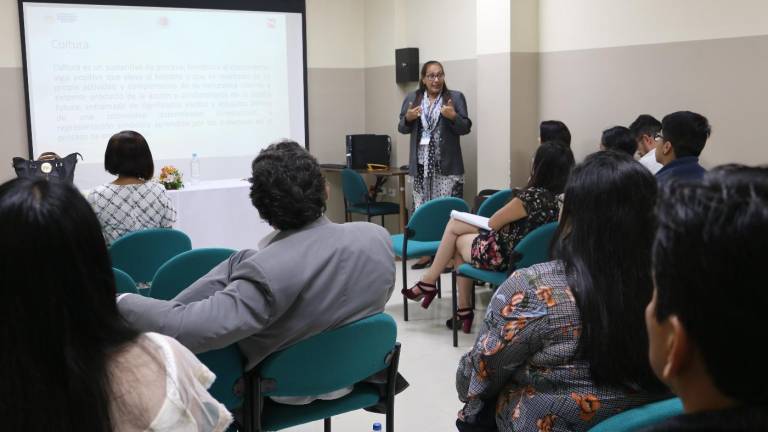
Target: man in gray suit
x=310, y=276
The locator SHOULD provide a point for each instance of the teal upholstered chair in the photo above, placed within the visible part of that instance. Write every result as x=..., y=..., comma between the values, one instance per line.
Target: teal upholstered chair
x=493, y=203
x=173, y=277
x=640, y=417
x=324, y=363
x=182, y=270
x=141, y=253
x=532, y=249
x=357, y=200
x=423, y=233
x=124, y=283
x=228, y=365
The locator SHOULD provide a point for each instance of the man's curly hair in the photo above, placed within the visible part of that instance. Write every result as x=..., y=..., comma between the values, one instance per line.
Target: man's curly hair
x=287, y=187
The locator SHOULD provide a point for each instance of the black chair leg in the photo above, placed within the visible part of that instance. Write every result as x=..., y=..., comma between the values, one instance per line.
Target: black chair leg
x=382, y=221
x=454, y=309
x=405, y=287
x=327, y=425
x=369, y=217
x=439, y=287
x=474, y=297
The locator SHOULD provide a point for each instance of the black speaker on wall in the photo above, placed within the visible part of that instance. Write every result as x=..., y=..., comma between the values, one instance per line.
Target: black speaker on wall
x=406, y=65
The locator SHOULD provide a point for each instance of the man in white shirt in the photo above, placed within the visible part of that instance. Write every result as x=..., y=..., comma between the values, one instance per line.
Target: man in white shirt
x=645, y=128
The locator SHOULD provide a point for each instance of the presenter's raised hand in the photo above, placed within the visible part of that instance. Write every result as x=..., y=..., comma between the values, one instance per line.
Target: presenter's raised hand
x=448, y=111
x=413, y=112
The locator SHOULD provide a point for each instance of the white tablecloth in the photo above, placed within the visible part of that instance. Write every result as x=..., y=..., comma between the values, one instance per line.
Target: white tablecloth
x=219, y=213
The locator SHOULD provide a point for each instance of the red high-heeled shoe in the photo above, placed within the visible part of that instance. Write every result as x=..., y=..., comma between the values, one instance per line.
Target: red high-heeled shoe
x=428, y=293
x=466, y=320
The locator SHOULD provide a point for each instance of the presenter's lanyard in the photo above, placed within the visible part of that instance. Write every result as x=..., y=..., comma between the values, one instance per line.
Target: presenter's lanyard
x=431, y=114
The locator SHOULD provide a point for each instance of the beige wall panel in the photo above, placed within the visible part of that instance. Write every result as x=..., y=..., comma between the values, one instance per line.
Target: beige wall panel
x=524, y=115
x=492, y=125
x=13, y=123
x=586, y=24
x=336, y=108
x=10, y=39
x=722, y=79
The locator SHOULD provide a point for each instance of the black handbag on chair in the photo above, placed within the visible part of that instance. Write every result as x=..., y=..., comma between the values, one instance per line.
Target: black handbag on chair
x=49, y=166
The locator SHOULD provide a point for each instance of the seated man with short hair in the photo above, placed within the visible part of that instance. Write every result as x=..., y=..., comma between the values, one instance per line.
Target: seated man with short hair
x=706, y=317
x=679, y=144
x=312, y=275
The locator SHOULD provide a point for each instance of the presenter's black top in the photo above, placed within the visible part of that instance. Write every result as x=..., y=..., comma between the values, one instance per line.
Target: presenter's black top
x=451, y=162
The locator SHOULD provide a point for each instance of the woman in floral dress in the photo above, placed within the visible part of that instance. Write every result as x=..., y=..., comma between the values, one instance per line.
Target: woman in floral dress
x=528, y=209
x=563, y=344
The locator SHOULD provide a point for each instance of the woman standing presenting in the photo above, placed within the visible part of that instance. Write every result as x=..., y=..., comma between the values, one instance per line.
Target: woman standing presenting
x=435, y=117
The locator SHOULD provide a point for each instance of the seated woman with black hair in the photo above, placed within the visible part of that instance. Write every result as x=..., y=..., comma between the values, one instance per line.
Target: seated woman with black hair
x=69, y=362
x=563, y=344
x=131, y=202
x=528, y=209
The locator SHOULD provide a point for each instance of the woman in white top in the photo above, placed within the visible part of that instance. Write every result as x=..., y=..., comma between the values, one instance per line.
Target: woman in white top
x=131, y=202
x=69, y=361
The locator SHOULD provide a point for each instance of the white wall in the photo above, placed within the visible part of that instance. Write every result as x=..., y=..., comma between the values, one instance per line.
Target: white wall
x=585, y=24
x=335, y=34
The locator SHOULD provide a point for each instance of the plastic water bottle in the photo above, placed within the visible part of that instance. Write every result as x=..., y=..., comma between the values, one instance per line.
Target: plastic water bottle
x=194, y=169
x=377, y=427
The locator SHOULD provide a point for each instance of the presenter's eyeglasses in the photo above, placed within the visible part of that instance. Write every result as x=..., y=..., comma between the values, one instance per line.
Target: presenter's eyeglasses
x=435, y=77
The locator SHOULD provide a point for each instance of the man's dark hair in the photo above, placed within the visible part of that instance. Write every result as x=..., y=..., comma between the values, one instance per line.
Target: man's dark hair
x=687, y=132
x=128, y=155
x=554, y=130
x=552, y=164
x=645, y=124
x=287, y=187
x=604, y=240
x=619, y=138
x=707, y=259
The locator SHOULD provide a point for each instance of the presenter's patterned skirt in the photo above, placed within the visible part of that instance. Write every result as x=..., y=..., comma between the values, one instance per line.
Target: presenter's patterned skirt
x=438, y=186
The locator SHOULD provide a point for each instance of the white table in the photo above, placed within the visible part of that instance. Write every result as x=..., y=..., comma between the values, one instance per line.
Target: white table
x=219, y=213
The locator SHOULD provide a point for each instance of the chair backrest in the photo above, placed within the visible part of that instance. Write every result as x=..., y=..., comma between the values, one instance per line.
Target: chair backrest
x=141, y=253
x=354, y=187
x=494, y=202
x=184, y=269
x=227, y=364
x=640, y=417
x=534, y=247
x=124, y=283
x=331, y=360
x=428, y=221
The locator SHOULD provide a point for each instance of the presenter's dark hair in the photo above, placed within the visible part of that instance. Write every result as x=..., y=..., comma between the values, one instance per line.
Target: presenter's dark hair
x=554, y=130
x=552, y=164
x=60, y=324
x=711, y=239
x=645, y=124
x=619, y=138
x=604, y=240
x=287, y=186
x=128, y=155
x=423, y=74
x=687, y=132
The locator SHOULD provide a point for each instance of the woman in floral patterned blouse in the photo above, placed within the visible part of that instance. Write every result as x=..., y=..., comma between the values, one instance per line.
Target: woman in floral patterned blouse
x=563, y=345
x=528, y=209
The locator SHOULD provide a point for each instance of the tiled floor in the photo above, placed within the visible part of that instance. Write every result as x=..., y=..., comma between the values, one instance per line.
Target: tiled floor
x=428, y=361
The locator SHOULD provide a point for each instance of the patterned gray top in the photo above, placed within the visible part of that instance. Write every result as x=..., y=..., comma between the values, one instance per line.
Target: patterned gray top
x=125, y=208
x=524, y=360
